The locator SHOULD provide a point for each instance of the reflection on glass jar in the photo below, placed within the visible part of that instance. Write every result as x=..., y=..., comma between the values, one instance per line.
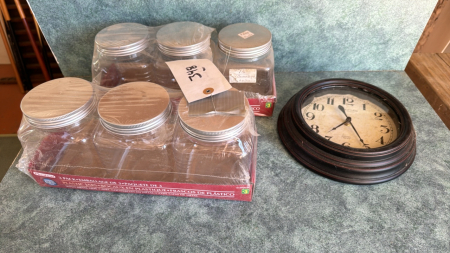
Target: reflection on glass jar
x=57, y=126
x=122, y=54
x=245, y=57
x=213, y=149
x=180, y=41
x=134, y=138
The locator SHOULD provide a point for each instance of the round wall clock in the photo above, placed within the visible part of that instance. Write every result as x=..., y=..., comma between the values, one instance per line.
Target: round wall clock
x=349, y=131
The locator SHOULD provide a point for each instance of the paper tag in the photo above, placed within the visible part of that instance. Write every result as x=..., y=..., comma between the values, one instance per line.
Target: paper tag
x=229, y=102
x=198, y=78
x=246, y=34
x=242, y=76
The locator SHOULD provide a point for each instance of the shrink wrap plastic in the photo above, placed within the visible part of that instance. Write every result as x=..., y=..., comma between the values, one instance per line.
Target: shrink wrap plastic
x=122, y=53
x=135, y=131
x=245, y=57
x=129, y=52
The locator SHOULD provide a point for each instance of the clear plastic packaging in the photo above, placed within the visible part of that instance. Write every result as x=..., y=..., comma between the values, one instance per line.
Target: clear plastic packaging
x=213, y=149
x=123, y=53
x=135, y=130
x=135, y=134
x=56, y=131
x=245, y=57
x=180, y=41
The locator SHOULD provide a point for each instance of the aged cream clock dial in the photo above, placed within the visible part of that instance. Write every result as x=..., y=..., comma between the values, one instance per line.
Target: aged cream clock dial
x=351, y=119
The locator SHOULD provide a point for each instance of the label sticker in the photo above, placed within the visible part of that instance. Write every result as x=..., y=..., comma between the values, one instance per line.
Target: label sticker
x=198, y=78
x=49, y=182
x=245, y=35
x=43, y=174
x=242, y=76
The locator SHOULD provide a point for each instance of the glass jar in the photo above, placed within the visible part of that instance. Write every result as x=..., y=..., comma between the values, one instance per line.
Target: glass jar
x=122, y=54
x=56, y=131
x=245, y=57
x=134, y=137
x=180, y=41
x=213, y=149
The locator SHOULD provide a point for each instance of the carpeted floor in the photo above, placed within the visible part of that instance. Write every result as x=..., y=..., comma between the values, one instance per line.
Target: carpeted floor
x=293, y=209
x=9, y=148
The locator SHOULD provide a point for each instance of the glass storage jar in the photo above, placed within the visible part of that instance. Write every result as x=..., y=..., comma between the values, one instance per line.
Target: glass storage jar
x=245, y=57
x=213, y=149
x=56, y=131
x=180, y=41
x=122, y=54
x=134, y=137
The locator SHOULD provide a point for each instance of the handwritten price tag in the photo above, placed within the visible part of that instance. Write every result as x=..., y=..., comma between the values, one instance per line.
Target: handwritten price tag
x=198, y=78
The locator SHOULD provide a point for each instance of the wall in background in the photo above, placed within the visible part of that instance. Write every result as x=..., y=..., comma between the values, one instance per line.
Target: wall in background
x=436, y=36
x=4, y=59
x=308, y=35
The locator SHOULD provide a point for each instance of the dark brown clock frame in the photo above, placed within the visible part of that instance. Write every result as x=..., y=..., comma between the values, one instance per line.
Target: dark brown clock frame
x=341, y=163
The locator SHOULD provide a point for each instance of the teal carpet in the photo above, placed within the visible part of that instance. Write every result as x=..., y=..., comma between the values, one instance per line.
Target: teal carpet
x=293, y=209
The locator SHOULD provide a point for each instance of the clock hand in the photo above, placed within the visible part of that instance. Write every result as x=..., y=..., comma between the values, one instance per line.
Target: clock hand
x=347, y=120
x=357, y=134
x=351, y=124
x=342, y=110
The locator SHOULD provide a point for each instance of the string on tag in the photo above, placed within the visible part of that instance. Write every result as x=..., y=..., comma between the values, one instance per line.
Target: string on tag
x=223, y=73
x=226, y=62
x=212, y=101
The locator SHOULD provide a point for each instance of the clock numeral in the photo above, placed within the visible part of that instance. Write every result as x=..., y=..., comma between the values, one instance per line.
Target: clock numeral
x=310, y=115
x=348, y=101
x=378, y=115
x=318, y=107
x=328, y=137
x=330, y=101
x=385, y=129
x=366, y=146
x=315, y=128
x=381, y=140
x=364, y=107
x=346, y=144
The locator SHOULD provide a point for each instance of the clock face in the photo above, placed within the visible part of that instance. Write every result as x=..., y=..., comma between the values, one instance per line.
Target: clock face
x=349, y=131
x=350, y=117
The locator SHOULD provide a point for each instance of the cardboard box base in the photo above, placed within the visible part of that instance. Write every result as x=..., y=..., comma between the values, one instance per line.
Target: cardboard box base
x=264, y=105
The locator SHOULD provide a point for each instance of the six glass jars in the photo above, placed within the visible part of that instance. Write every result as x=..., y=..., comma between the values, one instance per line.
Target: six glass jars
x=140, y=133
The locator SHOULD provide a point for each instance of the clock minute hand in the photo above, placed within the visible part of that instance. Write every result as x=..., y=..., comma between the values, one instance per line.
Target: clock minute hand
x=357, y=133
x=351, y=124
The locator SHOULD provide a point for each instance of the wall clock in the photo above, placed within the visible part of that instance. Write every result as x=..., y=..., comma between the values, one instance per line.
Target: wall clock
x=349, y=131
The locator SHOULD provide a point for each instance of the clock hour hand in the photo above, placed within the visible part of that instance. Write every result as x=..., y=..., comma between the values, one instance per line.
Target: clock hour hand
x=351, y=124
x=347, y=120
x=342, y=110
